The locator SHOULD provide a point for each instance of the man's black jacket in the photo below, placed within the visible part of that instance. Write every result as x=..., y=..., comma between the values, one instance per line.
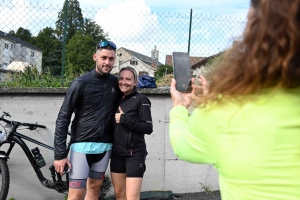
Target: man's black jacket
x=93, y=99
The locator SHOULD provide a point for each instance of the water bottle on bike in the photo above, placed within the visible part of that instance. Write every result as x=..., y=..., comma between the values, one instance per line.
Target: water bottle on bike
x=39, y=159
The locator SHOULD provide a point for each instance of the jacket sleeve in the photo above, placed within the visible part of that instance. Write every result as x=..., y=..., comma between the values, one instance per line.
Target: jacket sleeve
x=142, y=125
x=63, y=120
x=194, y=138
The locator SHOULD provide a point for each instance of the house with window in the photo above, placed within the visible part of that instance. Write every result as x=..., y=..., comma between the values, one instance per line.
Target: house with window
x=13, y=50
x=202, y=67
x=141, y=67
x=144, y=65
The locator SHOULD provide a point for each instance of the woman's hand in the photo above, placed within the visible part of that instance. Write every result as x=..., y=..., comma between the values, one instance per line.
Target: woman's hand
x=179, y=98
x=205, y=86
x=118, y=115
x=199, y=90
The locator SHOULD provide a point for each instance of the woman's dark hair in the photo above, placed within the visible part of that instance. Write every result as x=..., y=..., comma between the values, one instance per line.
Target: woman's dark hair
x=255, y=3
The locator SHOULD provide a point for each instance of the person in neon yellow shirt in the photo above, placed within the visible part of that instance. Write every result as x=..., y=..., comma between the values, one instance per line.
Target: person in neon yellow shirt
x=247, y=120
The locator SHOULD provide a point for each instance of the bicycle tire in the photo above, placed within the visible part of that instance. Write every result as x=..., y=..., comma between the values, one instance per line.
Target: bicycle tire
x=4, y=178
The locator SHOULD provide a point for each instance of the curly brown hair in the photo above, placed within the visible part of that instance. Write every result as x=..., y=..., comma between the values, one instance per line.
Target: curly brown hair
x=268, y=55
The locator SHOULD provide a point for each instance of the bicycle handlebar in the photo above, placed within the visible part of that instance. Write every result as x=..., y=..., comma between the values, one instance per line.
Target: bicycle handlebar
x=17, y=124
x=33, y=126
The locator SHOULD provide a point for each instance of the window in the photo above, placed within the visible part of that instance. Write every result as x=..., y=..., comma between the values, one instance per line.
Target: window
x=133, y=62
x=5, y=45
x=32, y=54
x=142, y=73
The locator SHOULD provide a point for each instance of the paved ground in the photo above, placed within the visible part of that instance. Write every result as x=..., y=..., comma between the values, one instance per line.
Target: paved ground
x=215, y=195
x=168, y=195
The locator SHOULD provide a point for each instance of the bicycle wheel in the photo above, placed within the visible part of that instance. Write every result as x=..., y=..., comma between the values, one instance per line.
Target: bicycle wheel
x=105, y=187
x=4, y=179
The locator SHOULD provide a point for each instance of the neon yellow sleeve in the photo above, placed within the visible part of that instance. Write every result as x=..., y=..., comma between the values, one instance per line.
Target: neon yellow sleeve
x=185, y=131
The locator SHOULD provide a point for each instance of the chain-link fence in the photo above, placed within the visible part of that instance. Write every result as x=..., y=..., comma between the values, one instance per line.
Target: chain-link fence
x=53, y=44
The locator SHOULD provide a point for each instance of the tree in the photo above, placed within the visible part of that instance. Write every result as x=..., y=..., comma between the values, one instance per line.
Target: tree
x=93, y=29
x=22, y=34
x=79, y=53
x=51, y=46
x=12, y=32
x=74, y=19
x=163, y=70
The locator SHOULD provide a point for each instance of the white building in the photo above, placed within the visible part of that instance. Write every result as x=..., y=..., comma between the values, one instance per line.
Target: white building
x=12, y=49
x=144, y=65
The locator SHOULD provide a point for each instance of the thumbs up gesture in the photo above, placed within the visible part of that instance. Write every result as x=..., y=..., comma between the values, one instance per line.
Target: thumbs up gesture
x=118, y=115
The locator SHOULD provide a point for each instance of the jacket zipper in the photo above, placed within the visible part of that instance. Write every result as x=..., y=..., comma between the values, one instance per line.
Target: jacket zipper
x=132, y=141
x=128, y=142
x=104, y=105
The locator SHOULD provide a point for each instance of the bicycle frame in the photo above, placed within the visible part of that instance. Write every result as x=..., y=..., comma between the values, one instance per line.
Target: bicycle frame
x=14, y=137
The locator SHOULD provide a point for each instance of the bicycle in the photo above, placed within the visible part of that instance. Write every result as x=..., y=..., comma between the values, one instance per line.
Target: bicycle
x=12, y=137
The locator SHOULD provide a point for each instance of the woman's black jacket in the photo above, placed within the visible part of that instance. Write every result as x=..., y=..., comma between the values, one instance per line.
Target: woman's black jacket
x=134, y=124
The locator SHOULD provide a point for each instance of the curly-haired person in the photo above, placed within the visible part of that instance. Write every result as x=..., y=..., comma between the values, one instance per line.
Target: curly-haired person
x=248, y=122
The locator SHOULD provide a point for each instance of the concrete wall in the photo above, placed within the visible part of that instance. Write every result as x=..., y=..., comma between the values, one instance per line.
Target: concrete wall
x=164, y=170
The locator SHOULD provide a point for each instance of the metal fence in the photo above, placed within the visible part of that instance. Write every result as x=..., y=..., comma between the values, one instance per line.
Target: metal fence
x=57, y=42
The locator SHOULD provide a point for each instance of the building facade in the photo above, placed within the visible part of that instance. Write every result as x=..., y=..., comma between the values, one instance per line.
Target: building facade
x=13, y=50
x=144, y=65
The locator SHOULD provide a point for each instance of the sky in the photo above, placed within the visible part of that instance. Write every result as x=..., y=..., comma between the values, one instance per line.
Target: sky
x=129, y=22
x=236, y=8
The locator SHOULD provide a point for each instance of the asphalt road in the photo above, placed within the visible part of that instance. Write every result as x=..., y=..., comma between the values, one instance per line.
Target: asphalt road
x=215, y=195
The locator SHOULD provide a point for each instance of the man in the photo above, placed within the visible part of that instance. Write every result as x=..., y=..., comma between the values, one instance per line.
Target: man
x=92, y=98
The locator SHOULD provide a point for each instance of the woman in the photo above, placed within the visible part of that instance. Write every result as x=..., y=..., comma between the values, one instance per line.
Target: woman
x=133, y=120
x=248, y=123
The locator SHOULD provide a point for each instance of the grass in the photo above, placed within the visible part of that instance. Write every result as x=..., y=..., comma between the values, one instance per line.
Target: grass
x=208, y=190
x=33, y=78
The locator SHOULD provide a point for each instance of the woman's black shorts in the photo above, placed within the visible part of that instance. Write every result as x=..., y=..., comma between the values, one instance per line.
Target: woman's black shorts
x=131, y=165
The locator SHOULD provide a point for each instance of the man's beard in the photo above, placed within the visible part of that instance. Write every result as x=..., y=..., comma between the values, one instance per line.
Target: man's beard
x=99, y=69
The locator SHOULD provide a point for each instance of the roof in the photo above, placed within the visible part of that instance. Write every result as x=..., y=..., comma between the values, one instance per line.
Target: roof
x=145, y=59
x=193, y=60
x=204, y=61
x=17, y=40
